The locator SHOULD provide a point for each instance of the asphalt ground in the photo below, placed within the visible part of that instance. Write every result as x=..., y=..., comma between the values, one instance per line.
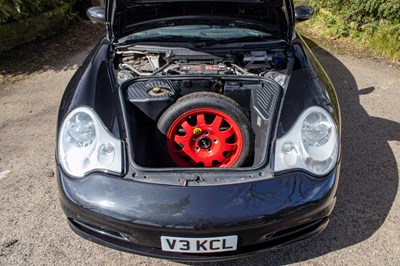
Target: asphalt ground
x=364, y=229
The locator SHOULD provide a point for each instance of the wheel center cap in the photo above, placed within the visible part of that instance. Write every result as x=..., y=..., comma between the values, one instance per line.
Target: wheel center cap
x=204, y=143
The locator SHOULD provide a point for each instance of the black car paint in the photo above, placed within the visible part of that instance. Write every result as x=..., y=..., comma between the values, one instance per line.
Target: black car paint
x=255, y=207
x=309, y=85
x=94, y=85
x=264, y=214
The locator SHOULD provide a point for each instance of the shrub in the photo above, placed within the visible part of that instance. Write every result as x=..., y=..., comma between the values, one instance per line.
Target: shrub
x=363, y=14
x=13, y=10
x=363, y=11
x=373, y=25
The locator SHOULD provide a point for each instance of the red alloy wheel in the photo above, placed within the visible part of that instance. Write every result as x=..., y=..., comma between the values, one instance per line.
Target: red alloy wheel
x=204, y=137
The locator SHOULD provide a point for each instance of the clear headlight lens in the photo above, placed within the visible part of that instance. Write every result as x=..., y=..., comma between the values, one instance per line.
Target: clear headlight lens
x=312, y=144
x=85, y=145
x=316, y=130
x=81, y=129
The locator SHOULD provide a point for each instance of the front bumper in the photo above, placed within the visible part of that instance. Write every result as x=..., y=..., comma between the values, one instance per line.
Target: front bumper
x=132, y=216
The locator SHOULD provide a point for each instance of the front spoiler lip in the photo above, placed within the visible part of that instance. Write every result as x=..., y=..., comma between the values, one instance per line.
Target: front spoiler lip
x=88, y=200
x=179, y=257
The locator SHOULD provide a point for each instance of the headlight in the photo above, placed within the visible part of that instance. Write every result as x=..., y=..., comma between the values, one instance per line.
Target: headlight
x=85, y=145
x=312, y=143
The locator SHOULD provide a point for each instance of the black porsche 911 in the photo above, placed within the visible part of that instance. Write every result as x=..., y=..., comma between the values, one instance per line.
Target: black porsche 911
x=199, y=131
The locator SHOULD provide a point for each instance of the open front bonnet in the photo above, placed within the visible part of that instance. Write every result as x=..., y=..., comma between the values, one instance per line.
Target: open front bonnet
x=129, y=16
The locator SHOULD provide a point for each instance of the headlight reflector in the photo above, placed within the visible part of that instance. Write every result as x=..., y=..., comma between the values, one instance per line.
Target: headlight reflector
x=312, y=143
x=85, y=145
x=316, y=129
x=81, y=129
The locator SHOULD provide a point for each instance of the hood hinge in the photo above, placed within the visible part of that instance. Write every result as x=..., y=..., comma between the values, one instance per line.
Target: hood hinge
x=110, y=34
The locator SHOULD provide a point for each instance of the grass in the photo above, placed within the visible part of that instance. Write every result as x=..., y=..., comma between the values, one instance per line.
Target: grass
x=380, y=39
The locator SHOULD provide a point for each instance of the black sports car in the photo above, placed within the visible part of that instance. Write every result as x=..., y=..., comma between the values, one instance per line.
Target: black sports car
x=199, y=130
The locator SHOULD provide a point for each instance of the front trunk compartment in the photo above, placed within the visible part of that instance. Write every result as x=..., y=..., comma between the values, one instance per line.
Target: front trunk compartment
x=240, y=88
x=147, y=98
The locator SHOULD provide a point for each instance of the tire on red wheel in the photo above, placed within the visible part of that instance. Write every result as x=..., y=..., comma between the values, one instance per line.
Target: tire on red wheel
x=205, y=129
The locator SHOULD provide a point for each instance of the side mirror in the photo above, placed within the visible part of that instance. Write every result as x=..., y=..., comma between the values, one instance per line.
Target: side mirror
x=303, y=13
x=97, y=14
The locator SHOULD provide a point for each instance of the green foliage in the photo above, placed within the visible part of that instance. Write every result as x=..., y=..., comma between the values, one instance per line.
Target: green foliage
x=372, y=24
x=362, y=11
x=343, y=30
x=362, y=14
x=13, y=10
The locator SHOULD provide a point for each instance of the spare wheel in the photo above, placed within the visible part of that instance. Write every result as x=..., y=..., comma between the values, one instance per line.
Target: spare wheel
x=205, y=129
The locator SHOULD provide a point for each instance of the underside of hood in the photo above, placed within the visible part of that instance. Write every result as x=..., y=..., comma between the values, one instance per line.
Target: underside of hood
x=130, y=16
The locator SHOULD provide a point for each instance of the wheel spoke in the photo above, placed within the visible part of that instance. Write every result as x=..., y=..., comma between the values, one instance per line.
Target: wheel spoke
x=217, y=122
x=219, y=157
x=182, y=153
x=227, y=133
x=201, y=120
x=186, y=152
x=207, y=163
x=187, y=127
x=180, y=139
x=231, y=147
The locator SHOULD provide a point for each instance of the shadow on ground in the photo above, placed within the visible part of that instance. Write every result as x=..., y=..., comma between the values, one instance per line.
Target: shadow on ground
x=52, y=53
x=369, y=175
